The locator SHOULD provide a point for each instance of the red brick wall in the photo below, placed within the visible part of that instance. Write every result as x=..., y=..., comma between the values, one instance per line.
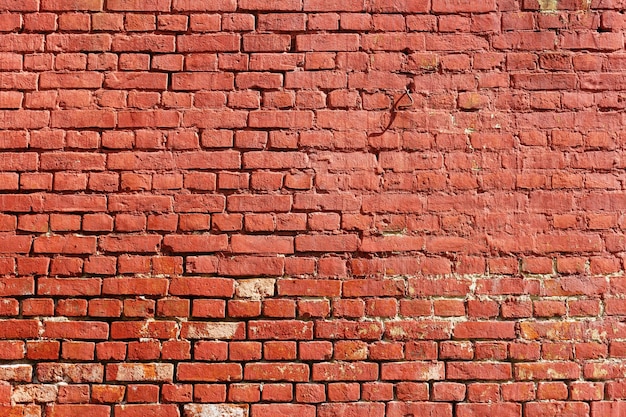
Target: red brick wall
x=232, y=208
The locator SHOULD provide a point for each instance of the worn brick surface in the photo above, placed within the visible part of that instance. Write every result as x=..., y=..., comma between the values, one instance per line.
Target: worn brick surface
x=321, y=208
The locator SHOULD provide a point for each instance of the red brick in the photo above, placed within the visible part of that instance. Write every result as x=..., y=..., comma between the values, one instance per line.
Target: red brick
x=258, y=203
x=412, y=371
x=75, y=373
x=73, y=394
x=460, y=6
x=503, y=409
x=343, y=391
x=76, y=330
x=284, y=330
x=57, y=410
x=273, y=372
x=352, y=409
x=464, y=371
x=547, y=370
x=202, y=80
x=204, y=372
x=397, y=409
x=448, y=391
x=267, y=410
x=485, y=330
x=104, y=394
x=195, y=243
x=161, y=410
x=208, y=43
x=345, y=371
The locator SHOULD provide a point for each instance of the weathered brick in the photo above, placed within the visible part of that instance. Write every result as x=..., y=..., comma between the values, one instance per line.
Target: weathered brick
x=209, y=372
x=130, y=372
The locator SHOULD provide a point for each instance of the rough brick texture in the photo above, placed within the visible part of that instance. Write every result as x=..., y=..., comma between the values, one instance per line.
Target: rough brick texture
x=234, y=208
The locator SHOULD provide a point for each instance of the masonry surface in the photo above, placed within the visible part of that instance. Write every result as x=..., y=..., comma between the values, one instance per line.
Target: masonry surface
x=312, y=208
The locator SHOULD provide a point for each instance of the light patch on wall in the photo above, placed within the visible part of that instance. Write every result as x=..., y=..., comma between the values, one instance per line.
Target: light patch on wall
x=548, y=6
x=216, y=410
